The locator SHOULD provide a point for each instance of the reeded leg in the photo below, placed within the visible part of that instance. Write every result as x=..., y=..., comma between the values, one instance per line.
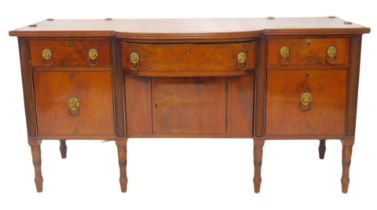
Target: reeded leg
x=63, y=149
x=346, y=162
x=322, y=148
x=122, y=156
x=37, y=162
x=258, y=153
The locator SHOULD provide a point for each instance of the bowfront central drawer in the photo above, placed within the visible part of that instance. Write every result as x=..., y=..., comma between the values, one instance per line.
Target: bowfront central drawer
x=70, y=53
x=185, y=58
x=307, y=51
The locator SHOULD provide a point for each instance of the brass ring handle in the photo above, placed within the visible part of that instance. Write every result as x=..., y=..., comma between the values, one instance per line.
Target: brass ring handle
x=284, y=52
x=331, y=51
x=306, y=101
x=331, y=54
x=93, y=54
x=134, y=60
x=284, y=55
x=241, y=60
x=74, y=106
x=241, y=57
x=46, y=54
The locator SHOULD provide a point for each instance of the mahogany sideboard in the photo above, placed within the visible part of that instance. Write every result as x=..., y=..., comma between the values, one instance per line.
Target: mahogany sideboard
x=262, y=78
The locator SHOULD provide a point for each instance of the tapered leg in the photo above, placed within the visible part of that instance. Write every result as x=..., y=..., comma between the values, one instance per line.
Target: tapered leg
x=322, y=148
x=37, y=162
x=346, y=162
x=122, y=156
x=258, y=154
x=63, y=149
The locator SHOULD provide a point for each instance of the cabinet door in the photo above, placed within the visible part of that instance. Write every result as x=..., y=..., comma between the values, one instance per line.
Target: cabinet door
x=74, y=103
x=306, y=102
x=189, y=106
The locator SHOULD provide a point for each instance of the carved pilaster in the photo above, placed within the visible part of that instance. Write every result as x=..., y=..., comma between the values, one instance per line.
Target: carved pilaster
x=352, y=85
x=260, y=89
x=118, y=85
x=27, y=83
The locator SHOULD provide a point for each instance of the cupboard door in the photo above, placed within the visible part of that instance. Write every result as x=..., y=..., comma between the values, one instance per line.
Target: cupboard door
x=189, y=105
x=74, y=103
x=306, y=102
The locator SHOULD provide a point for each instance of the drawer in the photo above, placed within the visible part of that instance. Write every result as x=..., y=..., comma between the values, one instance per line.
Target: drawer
x=203, y=57
x=306, y=102
x=70, y=53
x=308, y=51
x=74, y=103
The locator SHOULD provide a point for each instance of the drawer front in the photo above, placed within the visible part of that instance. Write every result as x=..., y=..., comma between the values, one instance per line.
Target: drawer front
x=74, y=103
x=309, y=51
x=188, y=57
x=306, y=102
x=70, y=53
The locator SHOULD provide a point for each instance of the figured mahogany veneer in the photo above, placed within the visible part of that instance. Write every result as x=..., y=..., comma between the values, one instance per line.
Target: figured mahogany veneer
x=307, y=51
x=53, y=89
x=207, y=57
x=262, y=78
x=324, y=117
x=70, y=52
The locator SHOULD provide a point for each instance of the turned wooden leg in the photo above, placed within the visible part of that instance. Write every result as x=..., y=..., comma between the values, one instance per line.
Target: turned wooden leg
x=346, y=162
x=63, y=149
x=322, y=148
x=258, y=153
x=37, y=162
x=122, y=156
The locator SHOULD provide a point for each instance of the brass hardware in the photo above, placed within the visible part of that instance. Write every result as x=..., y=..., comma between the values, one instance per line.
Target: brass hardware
x=93, y=53
x=241, y=57
x=331, y=51
x=306, y=101
x=284, y=52
x=241, y=60
x=134, y=57
x=134, y=60
x=73, y=106
x=46, y=54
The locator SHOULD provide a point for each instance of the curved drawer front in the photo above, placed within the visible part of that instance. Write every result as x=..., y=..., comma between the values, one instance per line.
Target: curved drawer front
x=70, y=53
x=193, y=57
x=307, y=51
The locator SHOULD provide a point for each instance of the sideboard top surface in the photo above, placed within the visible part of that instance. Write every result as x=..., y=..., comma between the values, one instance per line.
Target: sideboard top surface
x=190, y=28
